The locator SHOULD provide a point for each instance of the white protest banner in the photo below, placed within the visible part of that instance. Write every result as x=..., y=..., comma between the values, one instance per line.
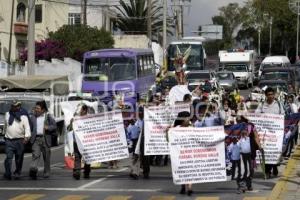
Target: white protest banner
x=101, y=137
x=157, y=120
x=197, y=154
x=270, y=128
x=69, y=108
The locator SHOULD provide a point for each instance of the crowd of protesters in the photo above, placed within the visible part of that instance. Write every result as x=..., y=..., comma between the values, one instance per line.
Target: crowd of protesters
x=229, y=110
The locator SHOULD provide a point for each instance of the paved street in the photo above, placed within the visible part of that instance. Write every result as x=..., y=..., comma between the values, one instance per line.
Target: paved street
x=115, y=184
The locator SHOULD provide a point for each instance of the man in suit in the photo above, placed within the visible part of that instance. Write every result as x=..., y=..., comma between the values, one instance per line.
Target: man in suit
x=43, y=127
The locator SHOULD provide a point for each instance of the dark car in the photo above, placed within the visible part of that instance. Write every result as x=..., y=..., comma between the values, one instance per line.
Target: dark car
x=275, y=84
x=279, y=73
x=202, y=77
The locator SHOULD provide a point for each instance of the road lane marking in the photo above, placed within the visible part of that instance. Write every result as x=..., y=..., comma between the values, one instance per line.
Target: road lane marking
x=118, y=197
x=255, y=198
x=207, y=198
x=162, y=198
x=94, y=182
x=78, y=189
x=101, y=179
x=28, y=197
x=74, y=197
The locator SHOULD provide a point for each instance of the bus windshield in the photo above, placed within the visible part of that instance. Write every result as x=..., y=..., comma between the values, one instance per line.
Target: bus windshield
x=110, y=69
x=194, y=57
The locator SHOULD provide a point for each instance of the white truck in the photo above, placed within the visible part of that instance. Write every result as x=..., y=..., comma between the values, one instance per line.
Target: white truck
x=241, y=63
x=30, y=89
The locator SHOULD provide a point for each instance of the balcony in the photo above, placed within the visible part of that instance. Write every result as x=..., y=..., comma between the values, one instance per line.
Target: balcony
x=20, y=28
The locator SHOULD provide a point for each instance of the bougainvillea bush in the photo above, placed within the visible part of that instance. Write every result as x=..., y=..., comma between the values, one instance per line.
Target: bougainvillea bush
x=45, y=50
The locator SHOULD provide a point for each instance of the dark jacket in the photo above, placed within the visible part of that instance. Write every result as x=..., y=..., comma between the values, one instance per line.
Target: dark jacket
x=50, y=122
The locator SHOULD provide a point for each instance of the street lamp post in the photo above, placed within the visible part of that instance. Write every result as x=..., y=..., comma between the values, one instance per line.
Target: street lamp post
x=259, y=33
x=297, y=43
x=270, y=47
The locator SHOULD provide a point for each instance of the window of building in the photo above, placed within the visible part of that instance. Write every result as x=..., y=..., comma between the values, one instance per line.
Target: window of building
x=38, y=14
x=74, y=18
x=21, y=12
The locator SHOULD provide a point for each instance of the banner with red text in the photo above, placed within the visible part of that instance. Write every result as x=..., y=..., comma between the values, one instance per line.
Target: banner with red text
x=197, y=154
x=101, y=137
x=270, y=128
x=157, y=120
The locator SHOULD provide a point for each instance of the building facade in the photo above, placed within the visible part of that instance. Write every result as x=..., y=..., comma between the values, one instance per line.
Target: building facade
x=49, y=16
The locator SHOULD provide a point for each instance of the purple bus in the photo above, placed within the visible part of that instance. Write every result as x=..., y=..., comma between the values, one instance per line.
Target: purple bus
x=122, y=73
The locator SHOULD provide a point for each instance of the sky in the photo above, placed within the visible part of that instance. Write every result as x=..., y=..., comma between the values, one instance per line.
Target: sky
x=202, y=11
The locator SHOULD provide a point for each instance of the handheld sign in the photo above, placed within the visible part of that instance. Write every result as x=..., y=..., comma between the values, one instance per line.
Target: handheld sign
x=101, y=137
x=197, y=154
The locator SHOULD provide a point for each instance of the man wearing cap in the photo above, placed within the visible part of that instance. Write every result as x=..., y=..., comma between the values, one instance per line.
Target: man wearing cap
x=17, y=133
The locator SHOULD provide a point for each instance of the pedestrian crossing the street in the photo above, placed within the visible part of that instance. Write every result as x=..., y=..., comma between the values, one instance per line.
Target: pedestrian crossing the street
x=118, y=197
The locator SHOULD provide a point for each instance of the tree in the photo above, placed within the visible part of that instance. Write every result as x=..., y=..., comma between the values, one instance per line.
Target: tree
x=132, y=17
x=78, y=39
x=259, y=13
x=45, y=50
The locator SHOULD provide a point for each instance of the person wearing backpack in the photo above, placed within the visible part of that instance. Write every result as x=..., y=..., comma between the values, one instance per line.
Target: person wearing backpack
x=272, y=106
x=43, y=127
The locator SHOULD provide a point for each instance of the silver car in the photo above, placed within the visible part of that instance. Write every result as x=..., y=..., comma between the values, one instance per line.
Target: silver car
x=227, y=80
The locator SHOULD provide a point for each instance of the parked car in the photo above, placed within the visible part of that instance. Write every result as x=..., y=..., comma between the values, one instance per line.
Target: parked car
x=227, y=80
x=278, y=73
x=205, y=78
x=274, y=61
x=278, y=85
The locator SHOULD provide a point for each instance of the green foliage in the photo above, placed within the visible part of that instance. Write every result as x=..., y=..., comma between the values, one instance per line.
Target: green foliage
x=80, y=38
x=132, y=17
x=255, y=15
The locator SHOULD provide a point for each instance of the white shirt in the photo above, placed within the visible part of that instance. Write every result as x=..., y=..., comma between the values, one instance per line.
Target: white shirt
x=17, y=129
x=272, y=108
x=40, y=122
x=245, y=145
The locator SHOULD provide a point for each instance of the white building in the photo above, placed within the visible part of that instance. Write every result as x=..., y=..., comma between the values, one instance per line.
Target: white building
x=50, y=15
x=98, y=13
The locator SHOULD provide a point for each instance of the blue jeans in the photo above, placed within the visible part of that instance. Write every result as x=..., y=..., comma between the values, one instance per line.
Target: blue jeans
x=14, y=147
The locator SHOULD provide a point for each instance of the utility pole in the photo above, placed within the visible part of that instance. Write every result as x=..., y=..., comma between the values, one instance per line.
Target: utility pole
x=165, y=24
x=181, y=20
x=270, y=47
x=83, y=11
x=10, y=34
x=297, y=47
x=149, y=21
x=31, y=38
x=259, y=33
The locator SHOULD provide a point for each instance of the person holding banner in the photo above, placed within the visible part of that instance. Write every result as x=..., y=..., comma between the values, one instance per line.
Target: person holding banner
x=77, y=165
x=272, y=106
x=183, y=120
x=139, y=157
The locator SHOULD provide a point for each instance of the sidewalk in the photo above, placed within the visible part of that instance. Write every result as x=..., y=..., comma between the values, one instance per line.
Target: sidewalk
x=288, y=186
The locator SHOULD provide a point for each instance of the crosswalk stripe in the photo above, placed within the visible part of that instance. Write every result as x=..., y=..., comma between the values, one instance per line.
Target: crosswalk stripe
x=162, y=198
x=74, y=197
x=118, y=197
x=255, y=198
x=207, y=198
x=28, y=197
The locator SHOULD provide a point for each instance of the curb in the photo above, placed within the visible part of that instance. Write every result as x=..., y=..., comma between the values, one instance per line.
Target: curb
x=280, y=186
